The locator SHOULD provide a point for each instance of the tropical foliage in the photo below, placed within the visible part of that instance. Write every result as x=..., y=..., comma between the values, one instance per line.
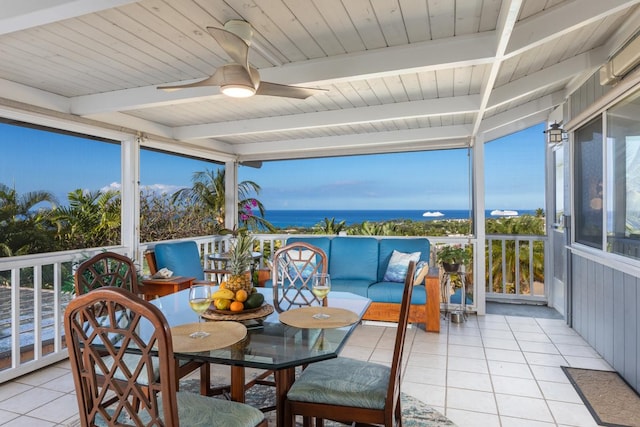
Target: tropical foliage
x=208, y=192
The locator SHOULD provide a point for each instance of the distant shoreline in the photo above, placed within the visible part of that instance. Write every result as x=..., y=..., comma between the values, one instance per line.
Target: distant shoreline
x=308, y=218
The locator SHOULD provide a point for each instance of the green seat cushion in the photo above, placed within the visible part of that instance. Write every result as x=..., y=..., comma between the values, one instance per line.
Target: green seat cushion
x=200, y=411
x=344, y=382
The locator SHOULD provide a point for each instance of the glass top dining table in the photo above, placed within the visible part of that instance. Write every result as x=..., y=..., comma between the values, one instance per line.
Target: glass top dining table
x=269, y=344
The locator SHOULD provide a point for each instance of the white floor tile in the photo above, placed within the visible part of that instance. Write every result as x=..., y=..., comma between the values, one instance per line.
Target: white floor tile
x=27, y=401
x=24, y=421
x=466, y=351
x=471, y=400
x=432, y=395
x=523, y=407
x=464, y=418
x=516, y=386
x=469, y=380
x=577, y=350
x=422, y=375
x=57, y=410
x=538, y=347
x=559, y=391
x=509, y=369
x=468, y=365
x=505, y=355
x=545, y=359
x=571, y=414
x=510, y=344
x=588, y=363
x=532, y=336
x=521, y=422
x=549, y=373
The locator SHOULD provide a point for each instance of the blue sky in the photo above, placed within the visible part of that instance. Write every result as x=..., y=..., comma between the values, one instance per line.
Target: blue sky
x=434, y=180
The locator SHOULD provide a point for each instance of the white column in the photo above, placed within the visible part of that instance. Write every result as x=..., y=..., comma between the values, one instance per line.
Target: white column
x=231, y=194
x=130, y=195
x=477, y=181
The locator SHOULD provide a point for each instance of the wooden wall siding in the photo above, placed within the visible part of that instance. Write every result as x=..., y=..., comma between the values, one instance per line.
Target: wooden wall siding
x=605, y=314
x=587, y=94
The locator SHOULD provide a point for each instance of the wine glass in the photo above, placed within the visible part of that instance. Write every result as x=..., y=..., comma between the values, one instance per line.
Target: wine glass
x=199, y=300
x=320, y=286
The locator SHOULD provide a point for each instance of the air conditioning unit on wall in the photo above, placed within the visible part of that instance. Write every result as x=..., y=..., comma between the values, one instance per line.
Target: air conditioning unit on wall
x=625, y=60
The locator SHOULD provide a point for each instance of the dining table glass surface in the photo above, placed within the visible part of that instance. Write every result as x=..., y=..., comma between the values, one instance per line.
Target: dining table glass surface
x=269, y=343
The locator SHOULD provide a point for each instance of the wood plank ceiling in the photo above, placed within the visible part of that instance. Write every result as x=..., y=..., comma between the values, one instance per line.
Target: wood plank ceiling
x=400, y=75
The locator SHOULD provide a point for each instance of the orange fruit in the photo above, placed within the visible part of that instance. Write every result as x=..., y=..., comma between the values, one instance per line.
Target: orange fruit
x=241, y=295
x=236, y=306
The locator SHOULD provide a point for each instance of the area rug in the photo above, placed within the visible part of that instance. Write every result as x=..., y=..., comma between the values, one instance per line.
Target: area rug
x=414, y=412
x=611, y=401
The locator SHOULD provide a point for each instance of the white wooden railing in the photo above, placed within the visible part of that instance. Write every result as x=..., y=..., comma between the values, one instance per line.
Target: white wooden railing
x=31, y=318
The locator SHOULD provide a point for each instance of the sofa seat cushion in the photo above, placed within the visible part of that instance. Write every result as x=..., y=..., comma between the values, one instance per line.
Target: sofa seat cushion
x=355, y=286
x=392, y=292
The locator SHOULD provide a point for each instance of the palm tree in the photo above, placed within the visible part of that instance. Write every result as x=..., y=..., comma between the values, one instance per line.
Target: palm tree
x=92, y=219
x=23, y=228
x=208, y=190
x=329, y=226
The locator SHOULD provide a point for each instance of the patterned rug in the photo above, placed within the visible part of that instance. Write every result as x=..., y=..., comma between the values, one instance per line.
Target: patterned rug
x=414, y=412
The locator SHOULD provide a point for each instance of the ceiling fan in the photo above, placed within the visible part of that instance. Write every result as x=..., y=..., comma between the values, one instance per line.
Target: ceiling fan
x=238, y=79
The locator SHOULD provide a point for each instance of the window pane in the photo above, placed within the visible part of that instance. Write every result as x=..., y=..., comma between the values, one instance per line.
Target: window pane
x=623, y=180
x=588, y=184
x=558, y=156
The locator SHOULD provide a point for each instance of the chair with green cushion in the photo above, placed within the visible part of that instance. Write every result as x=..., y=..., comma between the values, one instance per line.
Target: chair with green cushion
x=112, y=269
x=105, y=401
x=348, y=390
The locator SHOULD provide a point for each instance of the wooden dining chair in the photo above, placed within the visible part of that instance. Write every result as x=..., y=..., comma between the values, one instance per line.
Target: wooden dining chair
x=112, y=269
x=353, y=391
x=106, y=320
x=292, y=271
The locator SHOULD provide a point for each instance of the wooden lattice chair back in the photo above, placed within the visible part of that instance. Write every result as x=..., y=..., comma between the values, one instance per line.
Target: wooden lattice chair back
x=294, y=266
x=136, y=387
x=102, y=323
x=106, y=269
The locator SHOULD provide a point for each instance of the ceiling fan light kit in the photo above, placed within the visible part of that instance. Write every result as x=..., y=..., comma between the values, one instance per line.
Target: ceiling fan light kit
x=237, y=78
x=237, y=91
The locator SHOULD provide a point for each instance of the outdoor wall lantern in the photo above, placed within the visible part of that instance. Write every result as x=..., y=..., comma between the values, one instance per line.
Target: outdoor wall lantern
x=555, y=134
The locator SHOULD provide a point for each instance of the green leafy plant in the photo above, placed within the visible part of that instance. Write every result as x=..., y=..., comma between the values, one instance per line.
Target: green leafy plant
x=453, y=254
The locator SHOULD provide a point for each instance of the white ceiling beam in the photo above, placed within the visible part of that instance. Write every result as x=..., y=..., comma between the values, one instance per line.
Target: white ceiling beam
x=560, y=72
x=560, y=20
x=29, y=95
x=376, y=113
x=506, y=21
x=16, y=15
x=460, y=51
x=544, y=104
x=516, y=126
x=358, y=141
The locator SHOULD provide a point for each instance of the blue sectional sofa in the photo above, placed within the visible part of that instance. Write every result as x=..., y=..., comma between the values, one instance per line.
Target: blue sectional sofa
x=358, y=265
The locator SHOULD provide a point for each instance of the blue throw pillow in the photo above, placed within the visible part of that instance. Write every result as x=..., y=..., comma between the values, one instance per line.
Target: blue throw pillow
x=398, y=265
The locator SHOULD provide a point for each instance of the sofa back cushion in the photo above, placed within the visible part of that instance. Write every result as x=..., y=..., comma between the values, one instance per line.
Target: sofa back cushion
x=183, y=258
x=354, y=258
x=387, y=246
x=323, y=243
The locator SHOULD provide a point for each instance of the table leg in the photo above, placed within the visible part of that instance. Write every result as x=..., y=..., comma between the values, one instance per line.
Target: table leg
x=237, y=383
x=284, y=379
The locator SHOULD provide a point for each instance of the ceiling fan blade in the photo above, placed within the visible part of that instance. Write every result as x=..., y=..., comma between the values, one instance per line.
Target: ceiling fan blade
x=236, y=47
x=213, y=80
x=275, y=89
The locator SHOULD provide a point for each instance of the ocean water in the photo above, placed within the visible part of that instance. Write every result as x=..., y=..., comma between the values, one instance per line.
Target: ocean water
x=309, y=218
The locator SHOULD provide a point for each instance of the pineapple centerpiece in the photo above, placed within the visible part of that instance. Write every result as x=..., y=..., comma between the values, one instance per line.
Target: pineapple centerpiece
x=239, y=263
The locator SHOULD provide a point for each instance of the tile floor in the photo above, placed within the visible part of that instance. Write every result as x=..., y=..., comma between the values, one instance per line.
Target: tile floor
x=492, y=370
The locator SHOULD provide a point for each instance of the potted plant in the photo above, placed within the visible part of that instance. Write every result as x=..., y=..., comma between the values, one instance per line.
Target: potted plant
x=452, y=256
